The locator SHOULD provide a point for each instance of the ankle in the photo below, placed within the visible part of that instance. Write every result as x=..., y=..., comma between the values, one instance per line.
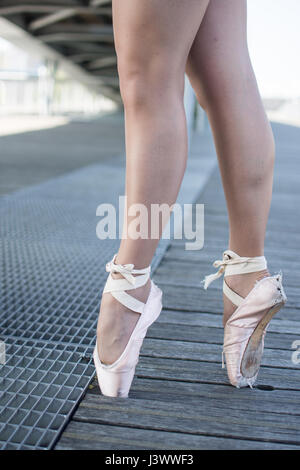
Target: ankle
x=140, y=293
x=249, y=252
x=243, y=283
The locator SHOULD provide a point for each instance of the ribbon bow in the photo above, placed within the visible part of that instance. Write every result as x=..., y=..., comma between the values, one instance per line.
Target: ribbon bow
x=124, y=269
x=232, y=260
x=229, y=257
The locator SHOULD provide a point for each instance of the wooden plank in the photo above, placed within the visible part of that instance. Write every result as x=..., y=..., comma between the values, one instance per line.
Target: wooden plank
x=257, y=399
x=211, y=372
x=91, y=436
x=209, y=353
x=211, y=252
x=219, y=240
x=219, y=222
x=213, y=320
x=206, y=419
x=211, y=335
x=191, y=272
x=195, y=299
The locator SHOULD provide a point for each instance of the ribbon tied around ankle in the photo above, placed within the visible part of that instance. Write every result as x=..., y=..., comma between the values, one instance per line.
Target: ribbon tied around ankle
x=229, y=259
x=221, y=264
x=124, y=269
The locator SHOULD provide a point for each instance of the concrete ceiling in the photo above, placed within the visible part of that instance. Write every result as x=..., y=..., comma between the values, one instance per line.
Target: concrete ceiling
x=76, y=33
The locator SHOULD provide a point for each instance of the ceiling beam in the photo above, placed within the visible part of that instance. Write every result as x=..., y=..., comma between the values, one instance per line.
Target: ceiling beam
x=108, y=80
x=102, y=62
x=94, y=3
x=52, y=9
x=82, y=28
x=90, y=56
x=84, y=49
x=21, y=38
x=63, y=14
x=59, y=15
x=14, y=9
x=78, y=47
x=55, y=3
x=81, y=37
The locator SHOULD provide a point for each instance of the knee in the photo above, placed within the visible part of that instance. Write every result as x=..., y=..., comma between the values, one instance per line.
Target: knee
x=217, y=84
x=227, y=90
x=147, y=83
x=231, y=89
x=133, y=86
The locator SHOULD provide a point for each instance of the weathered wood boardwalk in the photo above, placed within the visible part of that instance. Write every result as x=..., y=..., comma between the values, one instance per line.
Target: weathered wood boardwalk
x=180, y=398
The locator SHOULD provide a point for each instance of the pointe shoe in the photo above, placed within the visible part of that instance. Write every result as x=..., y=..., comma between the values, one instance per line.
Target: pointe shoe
x=246, y=328
x=115, y=379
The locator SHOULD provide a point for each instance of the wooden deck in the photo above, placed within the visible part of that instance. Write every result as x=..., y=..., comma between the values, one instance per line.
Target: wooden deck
x=180, y=398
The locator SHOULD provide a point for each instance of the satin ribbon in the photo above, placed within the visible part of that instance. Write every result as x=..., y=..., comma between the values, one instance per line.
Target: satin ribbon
x=229, y=259
x=127, y=270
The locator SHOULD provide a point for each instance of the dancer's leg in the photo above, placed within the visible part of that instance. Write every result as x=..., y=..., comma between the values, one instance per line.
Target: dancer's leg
x=221, y=73
x=153, y=39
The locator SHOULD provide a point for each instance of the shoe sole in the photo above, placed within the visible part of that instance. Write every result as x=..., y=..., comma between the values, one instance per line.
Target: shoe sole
x=254, y=350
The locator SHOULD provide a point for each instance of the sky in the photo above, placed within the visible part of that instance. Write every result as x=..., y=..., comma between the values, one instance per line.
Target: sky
x=274, y=45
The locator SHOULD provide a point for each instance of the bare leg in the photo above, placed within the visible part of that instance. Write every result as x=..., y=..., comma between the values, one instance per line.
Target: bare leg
x=153, y=39
x=221, y=73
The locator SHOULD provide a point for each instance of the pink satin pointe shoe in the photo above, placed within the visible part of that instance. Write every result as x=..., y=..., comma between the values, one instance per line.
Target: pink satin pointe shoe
x=115, y=379
x=246, y=328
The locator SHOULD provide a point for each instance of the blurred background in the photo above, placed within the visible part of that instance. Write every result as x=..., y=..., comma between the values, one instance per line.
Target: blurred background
x=57, y=60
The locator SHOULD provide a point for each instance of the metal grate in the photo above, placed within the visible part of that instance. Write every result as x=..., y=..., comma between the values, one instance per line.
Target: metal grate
x=52, y=277
x=41, y=385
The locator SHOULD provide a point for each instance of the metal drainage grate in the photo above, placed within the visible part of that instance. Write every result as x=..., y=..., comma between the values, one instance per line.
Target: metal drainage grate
x=41, y=384
x=52, y=276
